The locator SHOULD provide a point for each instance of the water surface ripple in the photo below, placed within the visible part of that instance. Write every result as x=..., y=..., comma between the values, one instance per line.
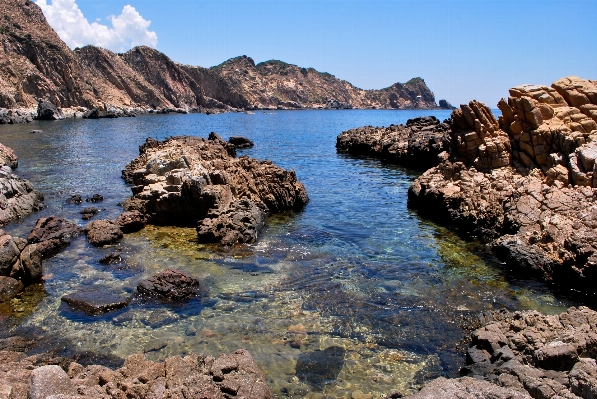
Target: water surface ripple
x=353, y=294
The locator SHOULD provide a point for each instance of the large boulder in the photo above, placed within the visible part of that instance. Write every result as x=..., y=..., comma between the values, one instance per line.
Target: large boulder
x=184, y=180
x=48, y=111
x=18, y=198
x=103, y=232
x=131, y=221
x=170, y=285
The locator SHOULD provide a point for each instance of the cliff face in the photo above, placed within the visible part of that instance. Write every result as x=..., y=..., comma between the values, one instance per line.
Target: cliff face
x=36, y=64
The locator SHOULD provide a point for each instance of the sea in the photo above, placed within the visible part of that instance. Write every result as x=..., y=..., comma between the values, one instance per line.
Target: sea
x=353, y=295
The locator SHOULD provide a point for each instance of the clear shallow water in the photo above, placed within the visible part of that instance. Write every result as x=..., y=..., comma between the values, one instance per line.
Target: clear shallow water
x=354, y=293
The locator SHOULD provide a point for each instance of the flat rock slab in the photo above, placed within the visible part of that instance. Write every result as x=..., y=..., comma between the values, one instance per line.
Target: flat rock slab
x=50, y=380
x=169, y=284
x=95, y=302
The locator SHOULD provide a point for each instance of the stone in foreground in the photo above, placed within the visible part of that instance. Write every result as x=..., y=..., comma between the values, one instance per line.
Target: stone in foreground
x=95, y=302
x=170, y=285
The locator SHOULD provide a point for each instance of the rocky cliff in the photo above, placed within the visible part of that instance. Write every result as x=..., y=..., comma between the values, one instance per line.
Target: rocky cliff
x=36, y=64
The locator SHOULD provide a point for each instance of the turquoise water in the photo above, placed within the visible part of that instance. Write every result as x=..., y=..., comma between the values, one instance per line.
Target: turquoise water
x=355, y=293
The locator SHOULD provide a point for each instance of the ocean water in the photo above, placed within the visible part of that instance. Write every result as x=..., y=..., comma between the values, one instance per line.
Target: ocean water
x=354, y=293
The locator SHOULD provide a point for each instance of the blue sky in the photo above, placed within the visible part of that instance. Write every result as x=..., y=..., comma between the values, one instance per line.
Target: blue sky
x=463, y=49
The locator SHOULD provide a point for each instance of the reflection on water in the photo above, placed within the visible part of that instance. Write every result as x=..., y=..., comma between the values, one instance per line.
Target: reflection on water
x=353, y=294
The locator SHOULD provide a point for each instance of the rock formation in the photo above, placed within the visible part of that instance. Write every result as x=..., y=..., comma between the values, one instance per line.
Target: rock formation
x=190, y=181
x=39, y=68
x=525, y=182
x=415, y=145
x=233, y=375
x=169, y=285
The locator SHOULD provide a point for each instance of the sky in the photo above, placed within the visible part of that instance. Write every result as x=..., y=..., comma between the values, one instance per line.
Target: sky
x=463, y=49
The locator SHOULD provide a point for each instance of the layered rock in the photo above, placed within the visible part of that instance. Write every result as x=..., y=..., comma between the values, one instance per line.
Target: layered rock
x=525, y=182
x=198, y=376
x=542, y=356
x=415, y=145
x=190, y=181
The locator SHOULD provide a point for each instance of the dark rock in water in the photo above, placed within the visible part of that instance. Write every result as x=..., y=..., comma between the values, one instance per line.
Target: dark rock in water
x=318, y=368
x=158, y=318
x=95, y=302
x=48, y=111
x=444, y=104
x=111, y=258
x=131, y=221
x=415, y=145
x=95, y=198
x=9, y=288
x=88, y=213
x=36, y=131
x=230, y=148
x=74, y=199
x=17, y=344
x=52, y=234
x=169, y=284
x=103, y=232
x=240, y=223
x=241, y=142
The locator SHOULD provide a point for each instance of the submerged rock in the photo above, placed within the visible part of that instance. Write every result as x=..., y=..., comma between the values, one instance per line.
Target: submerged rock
x=88, y=213
x=170, y=284
x=103, y=232
x=95, y=302
x=318, y=368
x=189, y=181
x=415, y=145
x=9, y=288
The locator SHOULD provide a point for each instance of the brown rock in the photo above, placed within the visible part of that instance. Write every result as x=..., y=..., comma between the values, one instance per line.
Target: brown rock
x=50, y=380
x=52, y=234
x=103, y=232
x=9, y=288
x=131, y=221
x=170, y=284
x=95, y=302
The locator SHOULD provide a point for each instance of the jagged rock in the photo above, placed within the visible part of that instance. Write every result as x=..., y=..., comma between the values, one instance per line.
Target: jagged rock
x=95, y=302
x=184, y=180
x=544, y=356
x=131, y=221
x=8, y=157
x=239, y=223
x=18, y=198
x=446, y=105
x=103, y=232
x=52, y=234
x=74, y=199
x=9, y=288
x=48, y=111
x=466, y=388
x=415, y=145
x=170, y=284
x=241, y=142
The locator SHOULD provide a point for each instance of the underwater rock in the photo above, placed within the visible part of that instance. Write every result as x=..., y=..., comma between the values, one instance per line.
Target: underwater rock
x=9, y=288
x=170, y=284
x=414, y=145
x=103, y=232
x=88, y=213
x=131, y=221
x=74, y=199
x=111, y=258
x=318, y=368
x=184, y=180
x=95, y=302
x=53, y=234
x=95, y=198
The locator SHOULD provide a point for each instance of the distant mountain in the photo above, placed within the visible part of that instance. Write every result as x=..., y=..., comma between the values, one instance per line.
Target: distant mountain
x=36, y=64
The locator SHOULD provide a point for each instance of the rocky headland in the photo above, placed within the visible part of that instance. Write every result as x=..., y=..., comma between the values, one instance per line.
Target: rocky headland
x=94, y=82
x=191, y=181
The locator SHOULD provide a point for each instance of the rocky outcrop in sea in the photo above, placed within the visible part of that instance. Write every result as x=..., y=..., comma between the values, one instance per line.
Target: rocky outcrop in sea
x=525, y=182
x=415, y=145
x=192, y=181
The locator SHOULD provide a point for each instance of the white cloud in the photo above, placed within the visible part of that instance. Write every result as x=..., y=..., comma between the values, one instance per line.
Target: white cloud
x=129, y=29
